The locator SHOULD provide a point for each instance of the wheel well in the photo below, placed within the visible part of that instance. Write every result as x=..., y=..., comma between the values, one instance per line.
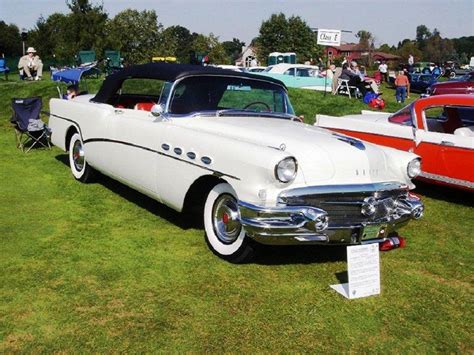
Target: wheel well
x=70, y=132
x=197, y=194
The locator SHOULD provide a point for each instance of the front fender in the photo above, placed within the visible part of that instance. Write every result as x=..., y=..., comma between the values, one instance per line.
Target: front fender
x=248, y=167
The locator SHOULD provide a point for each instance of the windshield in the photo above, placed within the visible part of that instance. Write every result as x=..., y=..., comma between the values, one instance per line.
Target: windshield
x=402, y=117
x=212, y=93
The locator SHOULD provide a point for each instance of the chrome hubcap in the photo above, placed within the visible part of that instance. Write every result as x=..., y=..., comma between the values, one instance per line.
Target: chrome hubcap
x=225, y=219
x=78, y=155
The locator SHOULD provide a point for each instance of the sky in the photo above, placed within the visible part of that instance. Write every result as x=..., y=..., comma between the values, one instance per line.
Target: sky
x=390, y=21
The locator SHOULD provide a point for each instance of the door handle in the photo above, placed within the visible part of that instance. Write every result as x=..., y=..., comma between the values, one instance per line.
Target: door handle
x=447, y=143
x=118, y=112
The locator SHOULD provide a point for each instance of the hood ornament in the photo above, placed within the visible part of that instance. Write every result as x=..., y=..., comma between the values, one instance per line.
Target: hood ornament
x=352, y=141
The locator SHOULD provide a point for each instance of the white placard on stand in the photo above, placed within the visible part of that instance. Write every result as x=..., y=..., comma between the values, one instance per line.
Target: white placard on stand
x=363, y=269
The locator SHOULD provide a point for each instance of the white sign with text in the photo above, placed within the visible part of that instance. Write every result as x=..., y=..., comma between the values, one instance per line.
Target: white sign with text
x=329, y=37
x=363, y=269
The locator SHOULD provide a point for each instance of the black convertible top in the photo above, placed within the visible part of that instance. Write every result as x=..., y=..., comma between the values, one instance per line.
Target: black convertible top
x=166, y=72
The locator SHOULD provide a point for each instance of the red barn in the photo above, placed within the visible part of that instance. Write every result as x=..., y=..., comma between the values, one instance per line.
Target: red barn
x=352, y=51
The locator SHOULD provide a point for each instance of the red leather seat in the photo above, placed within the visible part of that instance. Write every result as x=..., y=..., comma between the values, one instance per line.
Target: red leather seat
x=144, y=106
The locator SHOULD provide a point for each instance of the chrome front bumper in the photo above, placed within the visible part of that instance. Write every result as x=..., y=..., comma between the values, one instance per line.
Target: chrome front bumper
x=312, y=225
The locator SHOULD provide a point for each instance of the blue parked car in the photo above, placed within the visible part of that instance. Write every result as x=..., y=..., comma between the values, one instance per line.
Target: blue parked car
x=418, y=82
x=421, y=82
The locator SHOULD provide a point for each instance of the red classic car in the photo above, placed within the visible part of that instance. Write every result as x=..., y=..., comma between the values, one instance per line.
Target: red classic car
x=462, y=85
x=438, y=128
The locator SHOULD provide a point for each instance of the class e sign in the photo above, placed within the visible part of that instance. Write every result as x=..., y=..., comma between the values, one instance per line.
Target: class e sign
x=329, y=37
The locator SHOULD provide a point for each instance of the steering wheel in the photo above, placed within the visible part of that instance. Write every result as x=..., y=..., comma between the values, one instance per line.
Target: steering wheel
x=258, y=103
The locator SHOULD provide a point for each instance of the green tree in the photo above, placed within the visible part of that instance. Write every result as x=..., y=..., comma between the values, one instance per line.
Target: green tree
x=438, y=49
x=366, y=42
x=211, y=46
x=385, y=48
x=136, y=34
x=279, y=34
x=10, y=40
x=177, y=41
x=50, y=37
x=464, y=45
x=86, y=26
x=65, y=35
x=366, y=39
x=303, y=40
x=233, y=48
x=409, y=47
x=422, y=35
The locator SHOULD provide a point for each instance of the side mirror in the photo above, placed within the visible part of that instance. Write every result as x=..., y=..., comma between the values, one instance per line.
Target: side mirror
x=156, y=110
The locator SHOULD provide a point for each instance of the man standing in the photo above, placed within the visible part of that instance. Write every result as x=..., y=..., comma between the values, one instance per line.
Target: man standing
x=31, y=62
x=383, y=69
x=402, y=85
x=411, y=61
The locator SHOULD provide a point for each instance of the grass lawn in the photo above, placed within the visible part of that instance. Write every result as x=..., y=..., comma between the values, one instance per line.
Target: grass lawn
x=102, y=268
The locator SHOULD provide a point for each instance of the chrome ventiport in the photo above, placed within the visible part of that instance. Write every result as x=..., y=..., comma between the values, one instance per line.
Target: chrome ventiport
x=368, y=207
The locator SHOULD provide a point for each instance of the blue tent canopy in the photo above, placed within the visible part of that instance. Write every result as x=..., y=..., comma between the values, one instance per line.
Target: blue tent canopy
x=72, y=75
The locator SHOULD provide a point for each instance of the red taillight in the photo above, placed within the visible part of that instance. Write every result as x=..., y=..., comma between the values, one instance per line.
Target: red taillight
x=392, y=243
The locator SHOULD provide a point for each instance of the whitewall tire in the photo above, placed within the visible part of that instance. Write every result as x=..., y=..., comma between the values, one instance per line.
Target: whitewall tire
x=225, y=236
x=77, y=160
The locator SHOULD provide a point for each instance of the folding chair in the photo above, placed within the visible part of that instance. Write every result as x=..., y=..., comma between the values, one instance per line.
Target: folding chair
x=30, y=131
x=343, y=88
x=3, y=68
x=113, y=61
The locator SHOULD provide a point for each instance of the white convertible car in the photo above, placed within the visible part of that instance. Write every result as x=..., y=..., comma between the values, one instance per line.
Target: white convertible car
x=228, y=145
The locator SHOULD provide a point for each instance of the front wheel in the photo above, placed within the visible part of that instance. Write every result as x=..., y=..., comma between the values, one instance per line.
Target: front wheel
x=225, y=236
x=80, y=169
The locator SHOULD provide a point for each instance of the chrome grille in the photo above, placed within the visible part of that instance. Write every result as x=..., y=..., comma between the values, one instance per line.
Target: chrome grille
x=344, y=209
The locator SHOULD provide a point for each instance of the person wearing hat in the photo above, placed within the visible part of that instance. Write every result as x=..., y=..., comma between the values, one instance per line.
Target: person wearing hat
x=31, y=62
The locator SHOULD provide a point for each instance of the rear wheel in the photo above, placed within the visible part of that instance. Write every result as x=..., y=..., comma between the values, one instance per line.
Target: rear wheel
x=225, y=236
x=80, y=169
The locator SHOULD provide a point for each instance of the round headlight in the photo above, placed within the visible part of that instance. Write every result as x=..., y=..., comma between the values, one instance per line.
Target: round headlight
x=414, y=168
x=285, y=170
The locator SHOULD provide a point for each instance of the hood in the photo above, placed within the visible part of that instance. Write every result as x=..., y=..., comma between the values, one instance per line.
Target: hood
x=323, y=156
x=449, y=84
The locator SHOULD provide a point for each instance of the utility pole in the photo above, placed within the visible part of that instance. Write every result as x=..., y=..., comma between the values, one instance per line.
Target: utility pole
x=24, y=37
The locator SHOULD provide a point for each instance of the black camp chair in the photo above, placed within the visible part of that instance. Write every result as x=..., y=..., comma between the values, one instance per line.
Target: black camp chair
x=30, y=131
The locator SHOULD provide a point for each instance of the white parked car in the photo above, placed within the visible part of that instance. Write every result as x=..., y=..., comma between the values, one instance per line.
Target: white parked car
x=228, y=145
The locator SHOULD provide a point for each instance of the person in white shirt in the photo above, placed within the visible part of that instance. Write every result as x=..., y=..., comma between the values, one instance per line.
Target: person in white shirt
x=29, y=63
x=383, y=69
x=411, y=61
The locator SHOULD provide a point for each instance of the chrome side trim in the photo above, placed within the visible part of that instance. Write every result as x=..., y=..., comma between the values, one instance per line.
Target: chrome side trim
x=448, y=180
x=106, y=140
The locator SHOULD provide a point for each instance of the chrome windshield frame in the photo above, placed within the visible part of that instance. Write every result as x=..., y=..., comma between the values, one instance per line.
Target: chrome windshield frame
x=287, y=104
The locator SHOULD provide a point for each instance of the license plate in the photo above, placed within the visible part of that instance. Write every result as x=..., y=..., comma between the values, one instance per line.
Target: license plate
x=373, y=231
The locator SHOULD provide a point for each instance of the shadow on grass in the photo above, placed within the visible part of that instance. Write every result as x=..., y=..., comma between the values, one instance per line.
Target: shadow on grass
x=139, y=199
x=445, y=193
x=298, y=254
x=266, y=254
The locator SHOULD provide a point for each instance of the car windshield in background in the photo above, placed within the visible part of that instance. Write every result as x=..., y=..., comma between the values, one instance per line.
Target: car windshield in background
x=402, y=117
x=213, y=93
